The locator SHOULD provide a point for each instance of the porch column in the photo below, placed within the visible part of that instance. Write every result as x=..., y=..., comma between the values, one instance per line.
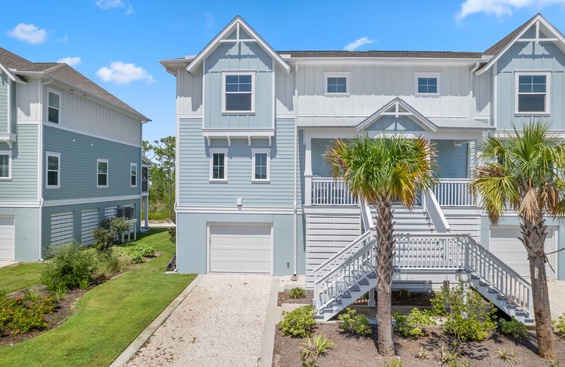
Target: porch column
x=308, y=171
x=146, y=211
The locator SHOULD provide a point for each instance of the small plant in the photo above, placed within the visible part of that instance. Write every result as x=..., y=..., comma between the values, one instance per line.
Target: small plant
x=559, y=325
x=423, y=354
x=173, y=234
x=555, y=364
x=513, y=329
x=298, y=322
x=393, y=363
x=353, y=323
x=447, y=355
x=139, y=252
x=32, y=295
x=508, y=356
x=297, y=292
x=403, y=293
x=314, y=347
x=21, y=315
x=412, y=326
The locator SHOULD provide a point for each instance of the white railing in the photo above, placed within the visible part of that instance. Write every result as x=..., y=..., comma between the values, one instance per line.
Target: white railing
x=430, y=251
x=329, y=191
x=454, y=192
x=432, y=207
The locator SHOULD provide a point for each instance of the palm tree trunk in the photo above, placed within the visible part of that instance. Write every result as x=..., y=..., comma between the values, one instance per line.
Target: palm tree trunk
x=384, y=256
x=534, y=235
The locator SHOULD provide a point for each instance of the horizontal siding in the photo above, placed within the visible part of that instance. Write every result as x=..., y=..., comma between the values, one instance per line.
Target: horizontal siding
x=79, y=168
x=194, y=165
x=23, y=185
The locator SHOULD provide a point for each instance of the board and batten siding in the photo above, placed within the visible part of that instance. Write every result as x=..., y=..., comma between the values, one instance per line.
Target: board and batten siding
x=23, y=185
x=371, y=87
x=4, y=102
x=196, y=189
x=239, y=57
x=28, y=104
x=529, y=56
x=189, y=92
x=78, y=165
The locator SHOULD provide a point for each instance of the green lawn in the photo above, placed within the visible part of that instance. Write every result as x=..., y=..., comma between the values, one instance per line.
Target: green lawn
x=19, y=276
x=109, y=317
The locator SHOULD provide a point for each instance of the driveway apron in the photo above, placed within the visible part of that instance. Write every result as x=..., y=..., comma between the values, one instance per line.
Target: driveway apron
x=220, y=323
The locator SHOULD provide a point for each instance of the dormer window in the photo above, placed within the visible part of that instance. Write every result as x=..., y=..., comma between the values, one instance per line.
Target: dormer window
x=239, y=92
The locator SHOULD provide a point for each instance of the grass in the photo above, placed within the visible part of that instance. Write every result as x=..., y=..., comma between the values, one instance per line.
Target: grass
x=19, y=276
x=108, y=318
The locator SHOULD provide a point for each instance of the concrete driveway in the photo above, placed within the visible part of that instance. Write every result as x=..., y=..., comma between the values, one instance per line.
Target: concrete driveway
x=220, y=322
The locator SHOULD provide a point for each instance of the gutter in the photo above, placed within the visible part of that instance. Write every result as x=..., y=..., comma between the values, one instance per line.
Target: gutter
x=295, y=276
x=40, y=166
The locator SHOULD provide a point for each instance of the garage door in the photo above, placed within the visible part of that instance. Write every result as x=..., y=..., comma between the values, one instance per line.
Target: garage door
x=88, y=223
x=505, y=245
x=240, y=249
x=7, y=238
x=61, y=228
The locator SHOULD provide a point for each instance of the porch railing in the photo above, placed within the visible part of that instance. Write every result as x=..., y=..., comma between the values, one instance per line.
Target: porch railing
x=454, y=192
x=328, y=191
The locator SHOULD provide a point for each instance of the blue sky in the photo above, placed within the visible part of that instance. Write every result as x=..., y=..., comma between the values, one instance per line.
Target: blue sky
x=117, y=43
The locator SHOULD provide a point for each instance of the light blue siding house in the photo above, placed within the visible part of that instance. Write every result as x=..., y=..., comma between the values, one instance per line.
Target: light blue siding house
x=253, y=190
x=70, y=156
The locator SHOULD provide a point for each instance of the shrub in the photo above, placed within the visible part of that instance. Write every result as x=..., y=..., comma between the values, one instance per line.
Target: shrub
x=298, y=322
x=109, y=233
x=313, y=348
x=173, y=234
x=21, y=315
x=412, y=325
x=138, y=252
x=468, y=318
x=297, y=292
x=112, y=262
x=353, y=323
x=69, y=267
x=560, y=325
x=513, y=329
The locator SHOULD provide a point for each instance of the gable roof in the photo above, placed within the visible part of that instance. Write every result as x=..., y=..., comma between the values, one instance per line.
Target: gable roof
x=398, y=104
x=235, y=24
x=19, y=68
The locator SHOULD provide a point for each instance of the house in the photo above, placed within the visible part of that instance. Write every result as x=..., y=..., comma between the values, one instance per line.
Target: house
x=253, y=192
x=70, y=156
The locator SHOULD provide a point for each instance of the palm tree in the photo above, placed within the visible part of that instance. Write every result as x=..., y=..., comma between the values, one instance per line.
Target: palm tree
x=525, y=174
x=381, y=171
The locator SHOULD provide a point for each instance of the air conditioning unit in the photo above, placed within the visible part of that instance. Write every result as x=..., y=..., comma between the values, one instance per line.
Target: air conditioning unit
x=126, y=212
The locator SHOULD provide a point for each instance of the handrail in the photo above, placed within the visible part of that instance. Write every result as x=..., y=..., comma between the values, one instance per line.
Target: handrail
x=454, y=192
x=436, y=214
x=346, y=250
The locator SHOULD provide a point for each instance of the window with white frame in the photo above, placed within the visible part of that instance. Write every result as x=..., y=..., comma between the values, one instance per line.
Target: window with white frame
x=5, y=165
x=261, y=164
x=336, y=83
x=53, y=107
x=53, y=166
x=133, y=174
x=428, y=83
x=102, y=166
x=218, y=164
x=532, y=93
x=239, y=93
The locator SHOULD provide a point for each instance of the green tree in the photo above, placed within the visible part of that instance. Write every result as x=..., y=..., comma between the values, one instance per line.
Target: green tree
x=162, y=174
x=381, y=171
x=525, y=173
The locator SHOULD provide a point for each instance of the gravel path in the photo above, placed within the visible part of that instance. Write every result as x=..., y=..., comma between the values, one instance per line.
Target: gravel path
x=220, y=323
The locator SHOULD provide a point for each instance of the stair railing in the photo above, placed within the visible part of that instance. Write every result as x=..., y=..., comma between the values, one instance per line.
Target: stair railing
x=432, y=207
x=430, y=251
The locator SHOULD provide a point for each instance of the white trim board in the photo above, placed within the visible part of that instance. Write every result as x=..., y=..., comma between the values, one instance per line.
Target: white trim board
x=89, y=200
x=235, y=210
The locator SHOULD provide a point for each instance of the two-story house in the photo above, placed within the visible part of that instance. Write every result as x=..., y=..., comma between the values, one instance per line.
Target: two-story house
x=253, y=192
x=70, y=156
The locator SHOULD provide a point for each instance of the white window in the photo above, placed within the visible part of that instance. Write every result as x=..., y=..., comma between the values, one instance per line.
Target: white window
x=238, y=92
x=53, y=106
x=133, y=174
x=5, y=165
x=428, y=84
x=532, y=93
x=218, y=164
x=261, y=164
x=102, y=166
x=336, y=83
x=53, y=166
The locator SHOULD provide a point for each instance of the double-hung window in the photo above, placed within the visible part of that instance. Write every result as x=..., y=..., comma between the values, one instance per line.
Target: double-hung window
x=532, y=93
x=218, y=164
x=239, y=96
x=5, y=165
x=53, y=107
x=133, y=174
x=102, y=166
x=427, y=84
x=53, y=175
x=336, y=83
x=261, y=164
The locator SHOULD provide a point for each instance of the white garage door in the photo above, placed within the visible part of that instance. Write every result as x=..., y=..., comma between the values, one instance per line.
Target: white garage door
x=7, y=238
x=505, y=245
x=88, y=223
x=61, y=228
x=240, y=249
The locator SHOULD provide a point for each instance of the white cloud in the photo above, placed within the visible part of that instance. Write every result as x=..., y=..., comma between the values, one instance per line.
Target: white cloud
x=122, y=73
x=71, y=61
x=28, y=33
x=500, y=7
x=358, y=43
x=114, y=4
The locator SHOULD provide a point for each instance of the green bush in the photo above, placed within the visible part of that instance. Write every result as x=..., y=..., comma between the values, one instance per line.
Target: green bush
x=560, y=325
x=468, y=317
x=109, y=233
x=21, y=315
x=297, y=292
x=139, y=252
x=412, y=325
x=69, y=267
x=319, y=345
x=173, y=234
x=513, y=328
x=353, y=323
x=298, y=322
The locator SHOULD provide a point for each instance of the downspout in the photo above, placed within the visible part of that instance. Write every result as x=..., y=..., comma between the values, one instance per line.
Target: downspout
x=40, y=165
x=294, y=275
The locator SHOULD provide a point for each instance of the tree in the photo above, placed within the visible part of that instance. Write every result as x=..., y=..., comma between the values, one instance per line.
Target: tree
x=525, y=173
x=381, y=171
x=162, y=174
